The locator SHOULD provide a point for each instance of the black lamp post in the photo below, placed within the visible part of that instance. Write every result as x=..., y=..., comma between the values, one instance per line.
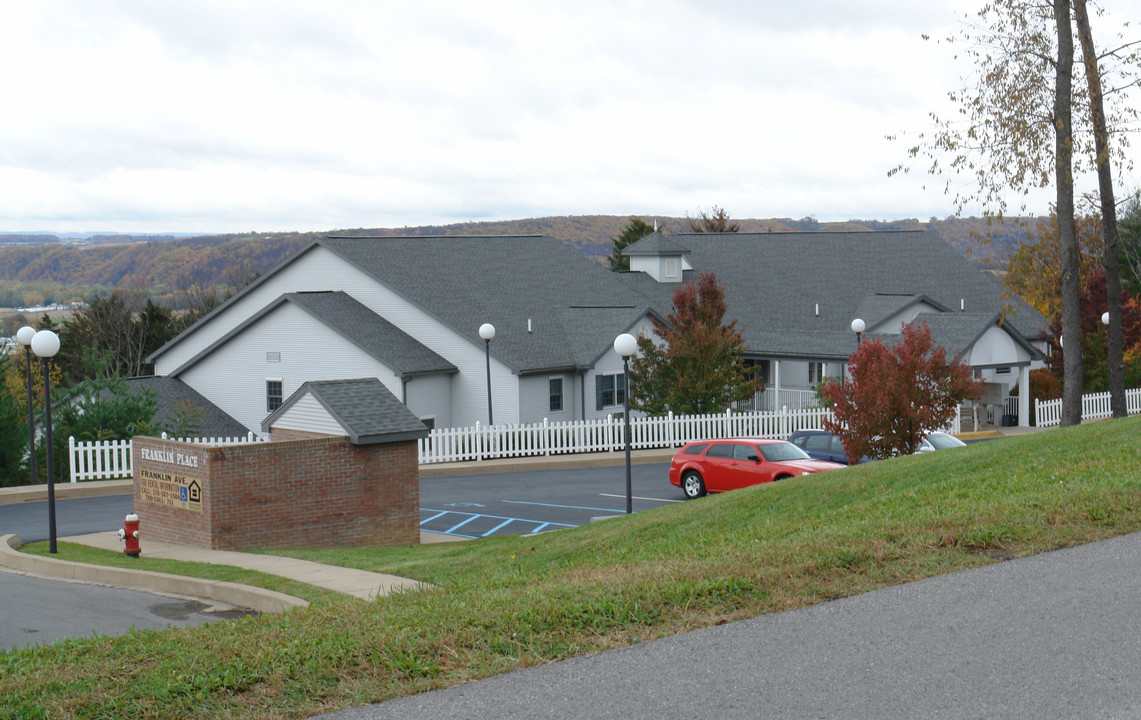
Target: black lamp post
x=487, y=332
x=625, y=345
x=858, y=326
x=45, y=344
x=24, y=337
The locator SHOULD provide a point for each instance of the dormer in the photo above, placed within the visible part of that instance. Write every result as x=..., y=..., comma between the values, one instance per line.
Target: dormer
x=659, y=257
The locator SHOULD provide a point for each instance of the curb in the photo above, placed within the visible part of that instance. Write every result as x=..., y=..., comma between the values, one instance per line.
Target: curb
x=243, y=596
x=66, y=491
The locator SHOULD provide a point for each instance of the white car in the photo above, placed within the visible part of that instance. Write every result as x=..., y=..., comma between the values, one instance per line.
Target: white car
x=940, y=441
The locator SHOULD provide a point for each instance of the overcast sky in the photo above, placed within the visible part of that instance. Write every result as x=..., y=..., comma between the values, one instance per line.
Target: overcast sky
x=235, y=115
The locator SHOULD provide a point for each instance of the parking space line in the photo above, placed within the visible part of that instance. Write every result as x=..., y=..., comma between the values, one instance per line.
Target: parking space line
x=503, y=524
x=643, y=498
x=465, y=522
x=538, y=524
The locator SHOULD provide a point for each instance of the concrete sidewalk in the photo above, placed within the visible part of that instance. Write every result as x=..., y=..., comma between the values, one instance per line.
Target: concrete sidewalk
x=358, y=583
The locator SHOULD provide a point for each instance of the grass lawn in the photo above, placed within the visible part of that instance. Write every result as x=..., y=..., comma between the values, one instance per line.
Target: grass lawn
x=504, y=603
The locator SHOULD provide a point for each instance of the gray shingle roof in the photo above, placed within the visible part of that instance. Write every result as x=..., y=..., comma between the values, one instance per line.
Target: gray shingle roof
x=775, y=281
x=364, y=407
x=372, y=333
x=878, y=307
x=171, y=393
x=655, y=244
x=576, y=307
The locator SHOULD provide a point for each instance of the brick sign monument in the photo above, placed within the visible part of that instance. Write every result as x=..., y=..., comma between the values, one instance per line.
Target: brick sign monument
x=348, y=479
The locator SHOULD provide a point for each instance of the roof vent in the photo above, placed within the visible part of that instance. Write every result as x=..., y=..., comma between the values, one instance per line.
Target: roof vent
x=962, y=305
x=817, y=309
x=528, y=324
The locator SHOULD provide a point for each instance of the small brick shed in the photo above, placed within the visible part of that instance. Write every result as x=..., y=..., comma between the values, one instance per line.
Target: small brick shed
x=340, y=470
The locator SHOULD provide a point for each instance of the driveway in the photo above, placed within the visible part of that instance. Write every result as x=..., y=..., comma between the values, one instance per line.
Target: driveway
x=1054, y=636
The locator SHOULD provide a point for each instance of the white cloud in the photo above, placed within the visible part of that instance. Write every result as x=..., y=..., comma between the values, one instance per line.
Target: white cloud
x=216, y=115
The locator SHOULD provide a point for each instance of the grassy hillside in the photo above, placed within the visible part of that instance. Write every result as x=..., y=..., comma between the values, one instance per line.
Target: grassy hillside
x=54, y=272
x=504, y=603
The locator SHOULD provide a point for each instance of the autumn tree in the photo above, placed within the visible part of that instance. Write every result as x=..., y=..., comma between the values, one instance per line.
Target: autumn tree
x=716, y=220
x=1129, y=245
x=1093, y=340
x=1013, y=131
x=114, y=335
x=15, y=379
x=634, y=231
x=1103, y=161
x=895, y=394
x=13, y=428
x=696, y=366
x=1034, y=270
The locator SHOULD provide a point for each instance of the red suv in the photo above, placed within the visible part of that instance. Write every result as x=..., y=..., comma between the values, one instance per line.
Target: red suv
x=720, y=465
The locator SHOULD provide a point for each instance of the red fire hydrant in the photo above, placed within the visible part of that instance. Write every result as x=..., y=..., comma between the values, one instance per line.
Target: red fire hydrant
x=130, y=534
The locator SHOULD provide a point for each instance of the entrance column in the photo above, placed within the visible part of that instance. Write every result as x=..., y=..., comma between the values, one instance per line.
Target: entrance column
x=1024, y=396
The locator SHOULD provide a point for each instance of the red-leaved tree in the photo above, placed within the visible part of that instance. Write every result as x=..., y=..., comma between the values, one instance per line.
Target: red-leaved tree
x=698, y=367
x=895, y=394
x=1092, y=302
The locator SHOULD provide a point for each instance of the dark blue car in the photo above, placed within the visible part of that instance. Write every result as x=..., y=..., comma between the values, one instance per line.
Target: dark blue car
x=821, y=445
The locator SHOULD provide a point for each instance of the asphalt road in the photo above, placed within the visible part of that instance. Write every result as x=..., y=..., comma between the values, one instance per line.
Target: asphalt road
x=36, y=611
x=78, y=516
x=1054, y=636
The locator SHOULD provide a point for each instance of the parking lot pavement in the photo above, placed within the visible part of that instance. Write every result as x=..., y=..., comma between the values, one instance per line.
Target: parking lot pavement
x=521, y=503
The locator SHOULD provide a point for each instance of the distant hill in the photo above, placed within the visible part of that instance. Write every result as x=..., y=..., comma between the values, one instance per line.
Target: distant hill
x=37, y=268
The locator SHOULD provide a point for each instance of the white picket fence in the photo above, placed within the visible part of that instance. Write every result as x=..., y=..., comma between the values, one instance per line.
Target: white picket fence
x=111, y=459
x=484, y=442
x=1095, y=406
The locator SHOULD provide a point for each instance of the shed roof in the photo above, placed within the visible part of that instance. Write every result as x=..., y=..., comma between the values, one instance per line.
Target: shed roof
x=363, y=407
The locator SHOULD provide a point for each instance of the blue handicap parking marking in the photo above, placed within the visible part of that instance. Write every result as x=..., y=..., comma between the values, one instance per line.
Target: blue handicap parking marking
x=477, y=525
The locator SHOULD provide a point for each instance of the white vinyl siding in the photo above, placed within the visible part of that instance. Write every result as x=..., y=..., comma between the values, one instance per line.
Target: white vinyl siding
x=321, y=270
x=310, y=416
x=233, y=377
x=535, y=394
x=430, y=396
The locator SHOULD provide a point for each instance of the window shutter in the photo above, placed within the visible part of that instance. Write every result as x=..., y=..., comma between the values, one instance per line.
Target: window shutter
x=598, y=392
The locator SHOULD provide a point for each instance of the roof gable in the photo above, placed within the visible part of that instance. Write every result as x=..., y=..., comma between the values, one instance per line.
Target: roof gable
x=362, y=327
x=363, y=408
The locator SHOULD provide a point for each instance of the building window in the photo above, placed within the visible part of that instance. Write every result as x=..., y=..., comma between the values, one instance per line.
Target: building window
x=556, y=394
x=1002, y=371
x=756, y=369
x=609, y=390
x=815, y=373
x=671, y=267
x=273, y=395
